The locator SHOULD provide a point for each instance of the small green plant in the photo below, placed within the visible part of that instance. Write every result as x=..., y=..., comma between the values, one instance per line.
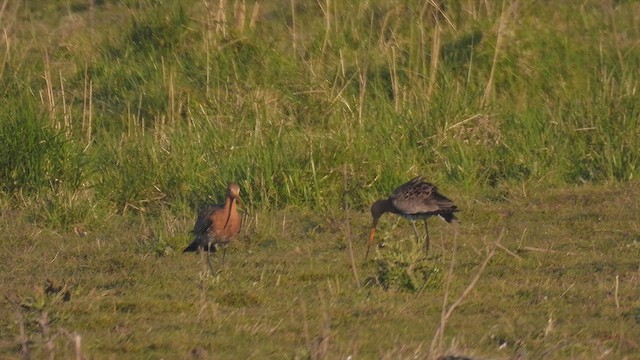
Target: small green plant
x=399, y=268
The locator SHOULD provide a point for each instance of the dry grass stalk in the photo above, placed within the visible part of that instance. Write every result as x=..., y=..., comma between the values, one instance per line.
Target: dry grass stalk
x=43, y=322
x=305, y=324
x=509, y=251
x=255, y=15
x=221, y=18
x=488, y=91
x=171, y=99
x=4, y=6
x=348, y=229
x=532, y=248
x=362, y=77
x=550, y=325
x=239, y=14
x=435, y=61
x=77, y=343
x=89, y=126
x=23, y=339
x=320, y=344
x=87, y=106
x=616, y=293
x=293, y=27
x=395, y=83
x=326, y=10
x=66, y=112
x=203, y=304
x=49, y=101
x=384, y=26
x=7, y=51
x=447, y=311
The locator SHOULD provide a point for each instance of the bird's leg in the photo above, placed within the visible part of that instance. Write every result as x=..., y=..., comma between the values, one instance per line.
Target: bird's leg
x=224, y=252
x=415, y=231
x=426, y=243
x=201, y=250
x=209, y=257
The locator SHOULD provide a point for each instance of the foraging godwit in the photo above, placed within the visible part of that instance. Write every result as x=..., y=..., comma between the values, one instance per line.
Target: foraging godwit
x=217, y=225
x=413, y=200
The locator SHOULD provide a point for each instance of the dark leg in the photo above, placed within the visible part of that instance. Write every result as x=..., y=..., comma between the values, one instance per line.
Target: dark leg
x=366, y=255
x=201, y=252
x=224, y=252
x=415, y=231
x=426, y=243
x=209, y=258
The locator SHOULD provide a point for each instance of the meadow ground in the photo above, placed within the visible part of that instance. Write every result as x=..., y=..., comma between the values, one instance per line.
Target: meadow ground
x=564, y=282
x=119, y=118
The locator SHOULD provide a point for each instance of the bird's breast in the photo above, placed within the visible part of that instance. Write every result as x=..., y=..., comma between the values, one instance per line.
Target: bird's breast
x=226, y=225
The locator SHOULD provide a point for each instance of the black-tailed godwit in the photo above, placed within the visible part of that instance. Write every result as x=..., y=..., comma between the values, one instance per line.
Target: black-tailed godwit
x=413, y=200
x=217, y=225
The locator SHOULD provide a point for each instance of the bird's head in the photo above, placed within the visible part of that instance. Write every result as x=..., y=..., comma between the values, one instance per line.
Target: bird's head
x=378, y=208
x=233, y=191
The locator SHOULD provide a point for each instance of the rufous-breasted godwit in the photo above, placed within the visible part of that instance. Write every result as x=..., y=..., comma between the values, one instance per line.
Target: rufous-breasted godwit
x=217, y=225
x=413, y=200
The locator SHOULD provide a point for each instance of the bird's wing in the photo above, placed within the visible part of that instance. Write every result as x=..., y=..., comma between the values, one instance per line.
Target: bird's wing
x=203, y=222
x=413, y=187
x=442, y=202
x=420, y=197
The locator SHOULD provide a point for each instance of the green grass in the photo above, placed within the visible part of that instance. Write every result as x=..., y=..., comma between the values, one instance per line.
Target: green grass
x=119, y=119
x=568, y=288
x=498, y=95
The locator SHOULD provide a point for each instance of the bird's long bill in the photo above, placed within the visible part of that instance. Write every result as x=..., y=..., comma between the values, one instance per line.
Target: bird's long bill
x=229, y=214
x=372, y=235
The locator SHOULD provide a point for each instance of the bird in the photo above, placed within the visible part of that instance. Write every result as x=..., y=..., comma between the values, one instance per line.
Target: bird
x=413, y=200
x=217, y=225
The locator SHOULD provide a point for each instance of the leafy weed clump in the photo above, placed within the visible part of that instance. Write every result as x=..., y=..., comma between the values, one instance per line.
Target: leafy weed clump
x=399, y=269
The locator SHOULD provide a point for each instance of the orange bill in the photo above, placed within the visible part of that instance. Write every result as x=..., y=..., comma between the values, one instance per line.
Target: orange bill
x=372, y=234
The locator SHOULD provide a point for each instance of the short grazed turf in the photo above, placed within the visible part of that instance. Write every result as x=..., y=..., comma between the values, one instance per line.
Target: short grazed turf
x=563, y=283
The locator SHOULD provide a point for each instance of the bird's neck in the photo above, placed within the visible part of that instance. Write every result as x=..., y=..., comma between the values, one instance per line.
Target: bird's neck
x=386, y=206
x=379, y=208
x=230, y=204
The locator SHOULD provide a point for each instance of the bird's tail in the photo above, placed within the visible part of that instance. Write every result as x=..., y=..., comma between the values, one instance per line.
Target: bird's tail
x=200, y=242
x=192, y=247
x=449, y=217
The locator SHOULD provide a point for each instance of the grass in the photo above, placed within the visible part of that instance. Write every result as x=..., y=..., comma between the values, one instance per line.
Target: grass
x=478, y=95
x=563, y=284
x=119, y=118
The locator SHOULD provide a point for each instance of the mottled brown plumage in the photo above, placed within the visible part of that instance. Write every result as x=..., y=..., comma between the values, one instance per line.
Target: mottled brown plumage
x=217, y=225
x=413, y=200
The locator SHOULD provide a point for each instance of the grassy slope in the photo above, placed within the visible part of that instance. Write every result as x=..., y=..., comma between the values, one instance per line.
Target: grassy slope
x=179, y=107
x=156, y=104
